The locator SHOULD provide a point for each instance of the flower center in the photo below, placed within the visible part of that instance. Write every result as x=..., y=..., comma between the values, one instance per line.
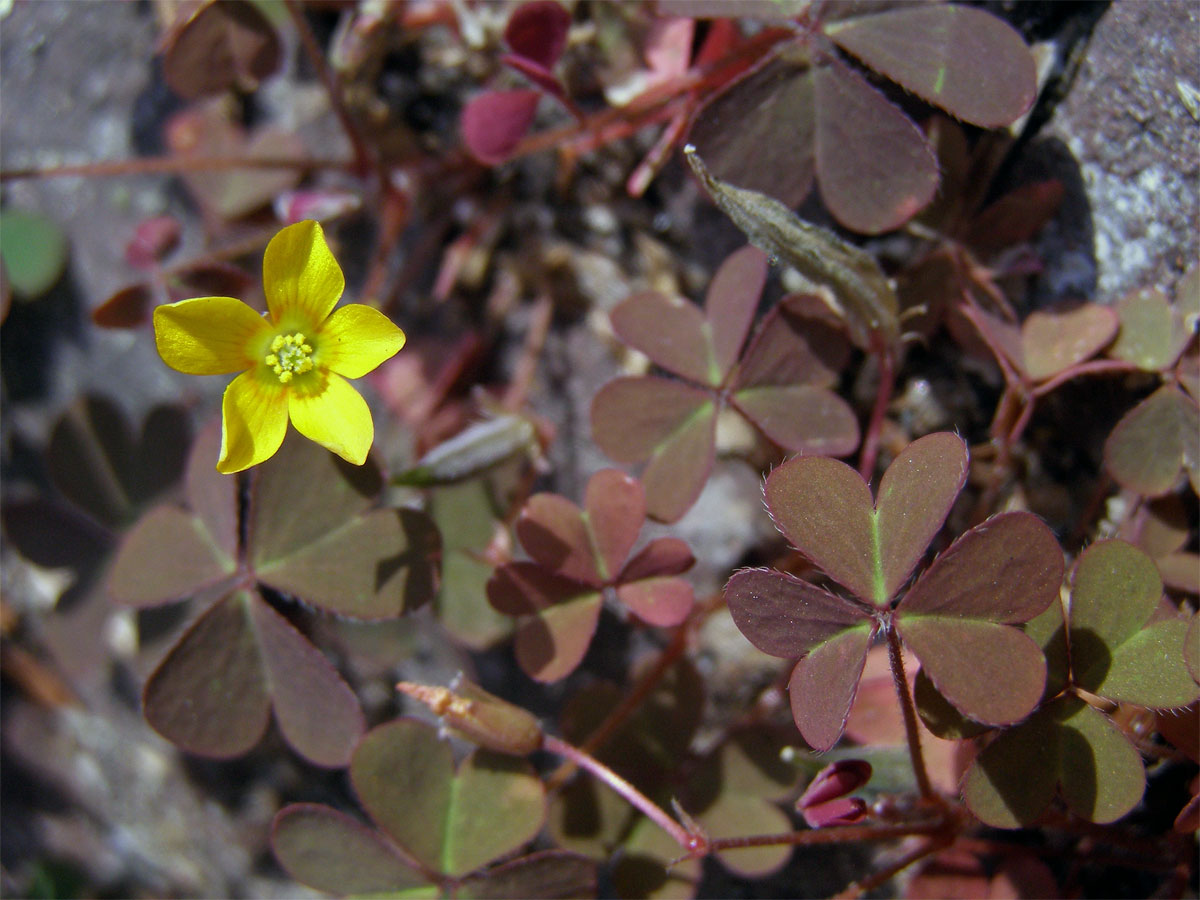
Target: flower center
x=289, y=356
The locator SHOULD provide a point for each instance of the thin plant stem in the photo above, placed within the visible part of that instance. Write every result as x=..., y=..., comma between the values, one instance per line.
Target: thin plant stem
x=909, y=711
x=174, y=165
x=645, y=685
x=691, y=844
x=365, y=160
x=847, y=834
x=875, y=879
x=883, y=396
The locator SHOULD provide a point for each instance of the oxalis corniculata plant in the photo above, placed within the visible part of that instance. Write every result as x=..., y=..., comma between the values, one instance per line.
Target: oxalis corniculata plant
x=954, y=667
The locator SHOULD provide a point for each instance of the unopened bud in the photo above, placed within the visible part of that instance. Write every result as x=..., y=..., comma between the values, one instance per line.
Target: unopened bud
x=474, y=714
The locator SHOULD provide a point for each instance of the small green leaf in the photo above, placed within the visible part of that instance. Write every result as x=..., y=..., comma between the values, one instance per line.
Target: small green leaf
x=1153, y=440
x=34, y=251
x=1152, y=333
x=452, y=822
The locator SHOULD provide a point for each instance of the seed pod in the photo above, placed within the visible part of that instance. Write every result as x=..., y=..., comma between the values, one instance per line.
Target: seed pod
x=865, y=299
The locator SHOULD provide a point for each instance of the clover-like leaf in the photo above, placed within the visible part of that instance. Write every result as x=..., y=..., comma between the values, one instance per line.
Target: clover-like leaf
x=578, y=554
x=1066, y=745
x=1116, y=651
x=1054, y=340
x=538, y=31
x=545, y=875
x=312, y=533
x=213, y=692
x=853, y=120
x=450, y=820
x=1153, y=333
x=956, y=617
x=666, y=424
x=494, y=122
x=332, y=852
x=964, y=60
x=1154, y=440
x=172, y=552
x=34, y=252
x=220, y=46
x=825, y=510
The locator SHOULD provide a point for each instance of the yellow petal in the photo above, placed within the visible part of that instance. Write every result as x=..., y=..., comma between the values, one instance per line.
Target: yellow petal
x=301, y=278
x=356, y=339
x=207, y=335
x=335, y=415
x=253, y=422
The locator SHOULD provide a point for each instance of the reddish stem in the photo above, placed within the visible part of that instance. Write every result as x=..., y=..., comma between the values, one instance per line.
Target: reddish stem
x=691, y=844
x=934, y=844
x=883, y=396
x=329, y=79
x=645, y=685
x=911, y=731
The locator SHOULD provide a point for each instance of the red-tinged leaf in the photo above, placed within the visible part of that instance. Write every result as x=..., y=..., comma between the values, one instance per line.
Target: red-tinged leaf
x=824, y=509
x=55, y=535
x=730, y=303
x=209, y=695
x=633, y=418
x=220, y=46
x=552, y=531
x=167, y=556
x=1153, y=441
x=658, y=601
x=551, y=645
x=1054, y=340
x=1008, y=570
x=966, y=658
x=662, y=556
x=800, y=418
x=494, y=122
x=1015, y=218
x=914, y=498
x=127, y=308
x=537, y=73
x=211, y=496
x=791, y=347
x=668, y=423
x=1152, y=333
x=784, y=616
x=316, y=710
x=538, y=31
x=874, y=166
x=452, y=822
x=616, y=508
x=823, y=685
x=330, y=851
x=211, y=279
x=153, y=240
x=545, y=875
x=760, y=132
x=671, y=331
x=964, y=60
x=523, y=589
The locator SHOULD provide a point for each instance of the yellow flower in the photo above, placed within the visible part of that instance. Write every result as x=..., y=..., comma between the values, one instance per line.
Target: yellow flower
x=294, y=361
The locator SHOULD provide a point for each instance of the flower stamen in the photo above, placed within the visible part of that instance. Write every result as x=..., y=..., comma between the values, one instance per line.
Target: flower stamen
x=290, y=356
